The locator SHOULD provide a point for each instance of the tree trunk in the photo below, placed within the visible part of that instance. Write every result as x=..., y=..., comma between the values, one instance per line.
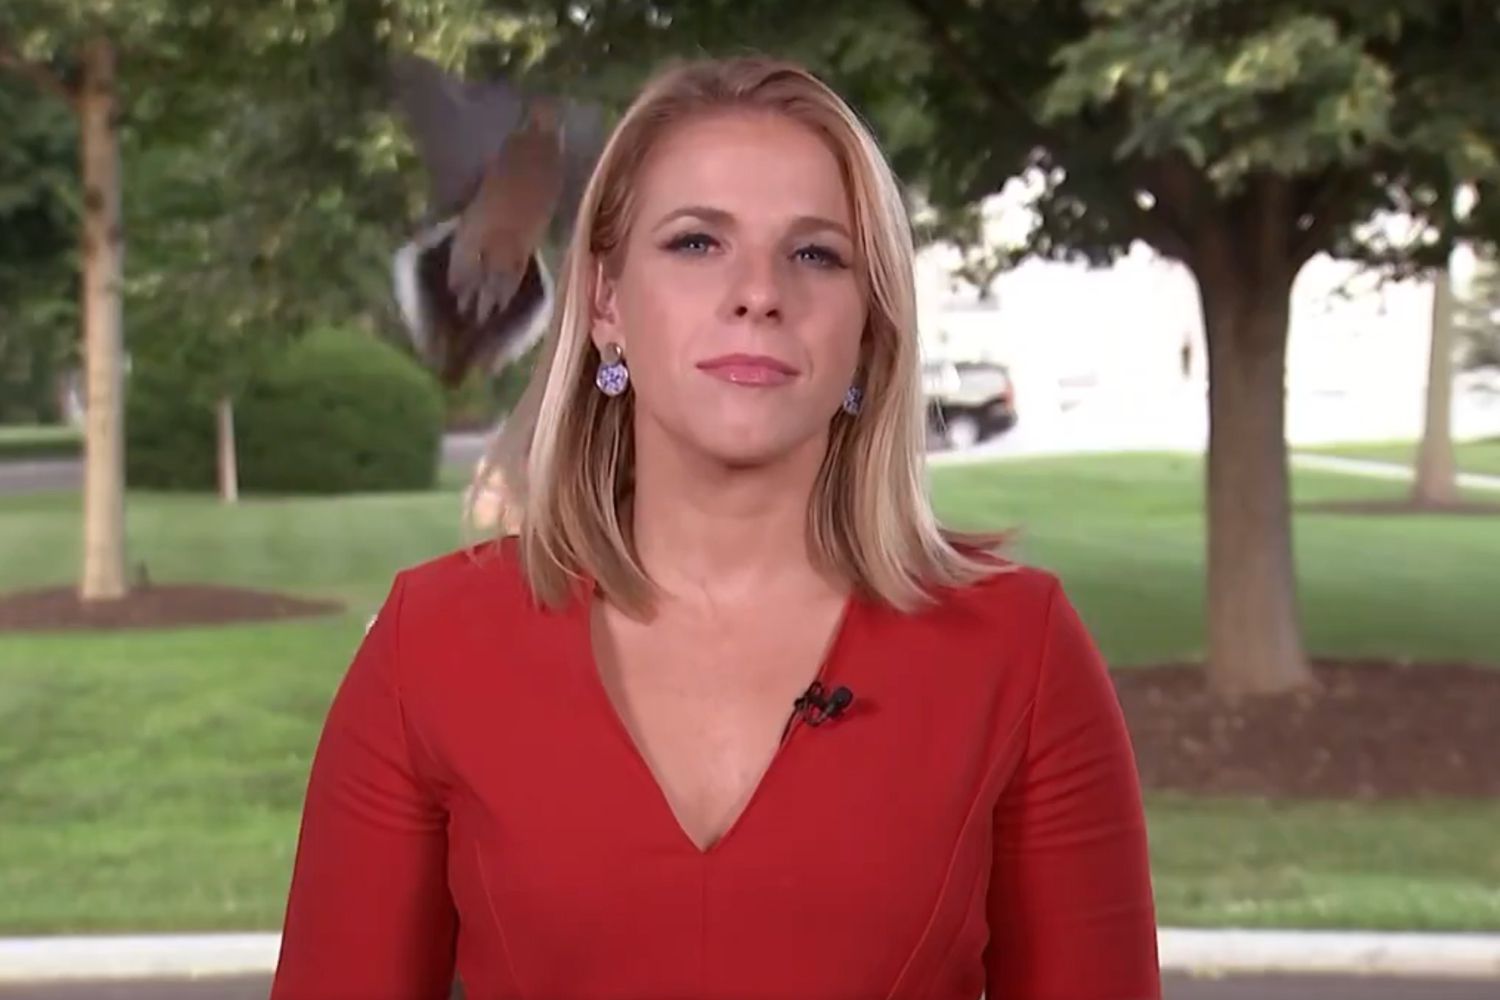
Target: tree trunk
x=104, y=426
x=229, y=475
x=1436, y=482
x=1254, y=628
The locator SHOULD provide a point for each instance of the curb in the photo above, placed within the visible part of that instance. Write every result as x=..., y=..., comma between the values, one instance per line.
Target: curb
x=1468, y=956
x=1205, y=952
x=136, y=956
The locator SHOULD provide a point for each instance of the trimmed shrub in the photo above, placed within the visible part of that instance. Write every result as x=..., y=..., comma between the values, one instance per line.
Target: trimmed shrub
x=340, y=412
x=169, y=431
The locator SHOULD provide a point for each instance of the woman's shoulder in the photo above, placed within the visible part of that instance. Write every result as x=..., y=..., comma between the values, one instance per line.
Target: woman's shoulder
x=1015, y=613
x=486, y=574
x=1006, y=588
x=1008, y=605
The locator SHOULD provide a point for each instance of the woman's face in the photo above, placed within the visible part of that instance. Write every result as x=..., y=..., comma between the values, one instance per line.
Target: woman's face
x=737, y=299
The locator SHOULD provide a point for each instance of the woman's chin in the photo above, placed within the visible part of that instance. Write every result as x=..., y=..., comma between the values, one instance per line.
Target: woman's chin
x=749, y=448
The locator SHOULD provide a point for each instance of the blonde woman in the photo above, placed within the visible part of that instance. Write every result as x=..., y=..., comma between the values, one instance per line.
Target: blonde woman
x=730, y=715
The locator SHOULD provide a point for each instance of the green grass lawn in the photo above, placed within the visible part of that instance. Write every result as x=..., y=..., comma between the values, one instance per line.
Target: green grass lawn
x=1126, y=535
x=153, y=781
x=1481, y=456
x=1429, y=866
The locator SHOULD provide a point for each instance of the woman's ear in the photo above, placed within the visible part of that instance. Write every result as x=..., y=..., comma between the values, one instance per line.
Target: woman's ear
x=603, y=309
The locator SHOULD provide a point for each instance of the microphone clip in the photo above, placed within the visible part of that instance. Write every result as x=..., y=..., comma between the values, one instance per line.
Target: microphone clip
x=817, y=705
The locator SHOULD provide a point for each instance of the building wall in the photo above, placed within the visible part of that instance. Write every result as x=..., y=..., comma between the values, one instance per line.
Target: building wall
x=1067, y=329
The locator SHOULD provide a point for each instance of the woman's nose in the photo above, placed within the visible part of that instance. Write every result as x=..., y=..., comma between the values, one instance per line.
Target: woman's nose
x=757, y=292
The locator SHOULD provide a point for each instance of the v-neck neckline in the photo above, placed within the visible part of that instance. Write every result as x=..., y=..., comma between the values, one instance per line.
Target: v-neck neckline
x=583, y=606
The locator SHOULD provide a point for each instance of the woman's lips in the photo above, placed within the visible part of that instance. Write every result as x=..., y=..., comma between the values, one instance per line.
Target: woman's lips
x=749, y=369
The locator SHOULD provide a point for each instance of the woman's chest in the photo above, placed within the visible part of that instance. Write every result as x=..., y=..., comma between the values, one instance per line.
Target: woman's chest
x=707, y=705
x=847, y=863
x=856, y=862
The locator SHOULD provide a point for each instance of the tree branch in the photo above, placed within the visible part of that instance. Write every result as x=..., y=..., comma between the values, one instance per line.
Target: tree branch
x=1167, y=225
x=1109, y=193
x=38, y=74
x=1178, y=190
x=1159, y=230
x=1316, y=205
x=947, y=44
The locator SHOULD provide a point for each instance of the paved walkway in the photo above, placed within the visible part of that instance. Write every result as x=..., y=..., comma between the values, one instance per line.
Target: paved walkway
x=1176, y=987
x=106, y=957
x=45, y=475
x=1385, y=470
x=40, y=475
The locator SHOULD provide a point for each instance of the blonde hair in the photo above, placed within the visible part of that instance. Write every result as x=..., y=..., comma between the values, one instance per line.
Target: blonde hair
x=566, y=453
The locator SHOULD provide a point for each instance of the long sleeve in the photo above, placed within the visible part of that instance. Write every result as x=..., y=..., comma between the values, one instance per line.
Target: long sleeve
x=368, y=915
x=1071, y=911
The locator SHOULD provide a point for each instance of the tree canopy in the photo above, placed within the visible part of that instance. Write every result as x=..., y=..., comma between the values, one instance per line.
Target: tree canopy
x=1240, y=137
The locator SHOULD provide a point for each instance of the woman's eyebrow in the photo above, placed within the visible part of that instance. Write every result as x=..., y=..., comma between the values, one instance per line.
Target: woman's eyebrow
x=717, y=216
x=810, y=223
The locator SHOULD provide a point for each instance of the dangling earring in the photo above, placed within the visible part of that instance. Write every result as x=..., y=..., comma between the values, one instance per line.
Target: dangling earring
x=613, y=377
x=853, y=396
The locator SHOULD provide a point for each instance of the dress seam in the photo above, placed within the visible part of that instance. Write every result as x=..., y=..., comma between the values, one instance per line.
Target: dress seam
x=489, y=902
x=981, y=793
x=703, y=930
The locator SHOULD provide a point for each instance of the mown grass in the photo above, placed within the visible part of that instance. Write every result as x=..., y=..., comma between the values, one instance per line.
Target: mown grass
x=153, y=780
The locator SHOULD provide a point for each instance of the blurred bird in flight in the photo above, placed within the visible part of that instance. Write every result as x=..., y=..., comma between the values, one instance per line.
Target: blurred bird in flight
x=505, y=170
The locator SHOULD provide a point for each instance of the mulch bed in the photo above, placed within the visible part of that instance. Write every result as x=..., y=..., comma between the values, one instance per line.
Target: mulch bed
x=153, y=606
x=1376, y=730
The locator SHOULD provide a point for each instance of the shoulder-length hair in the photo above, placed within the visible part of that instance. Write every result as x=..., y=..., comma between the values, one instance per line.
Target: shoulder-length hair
x=565, y=456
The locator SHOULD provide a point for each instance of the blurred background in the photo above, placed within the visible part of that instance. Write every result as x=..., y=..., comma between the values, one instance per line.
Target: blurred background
x=1210, y=312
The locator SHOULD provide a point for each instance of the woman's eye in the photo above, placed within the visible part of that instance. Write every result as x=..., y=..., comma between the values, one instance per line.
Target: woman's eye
x=691, y=242
x=821, y=256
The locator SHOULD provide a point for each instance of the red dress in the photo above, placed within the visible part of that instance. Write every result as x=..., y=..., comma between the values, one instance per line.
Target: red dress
x=972, y=823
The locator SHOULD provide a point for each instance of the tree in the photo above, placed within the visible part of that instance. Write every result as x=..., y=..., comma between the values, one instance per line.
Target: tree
x=226, y=71
x=1240, y=138
x=1477, y=318
x=1436, y=481
x=90, y=92
x=247, y=239
x=69, y=49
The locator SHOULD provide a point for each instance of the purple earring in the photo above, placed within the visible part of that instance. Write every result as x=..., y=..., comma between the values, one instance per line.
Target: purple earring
x=853, y=397
x=613, y=377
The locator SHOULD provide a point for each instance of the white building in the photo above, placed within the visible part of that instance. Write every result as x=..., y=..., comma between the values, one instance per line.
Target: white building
x=1113, y=337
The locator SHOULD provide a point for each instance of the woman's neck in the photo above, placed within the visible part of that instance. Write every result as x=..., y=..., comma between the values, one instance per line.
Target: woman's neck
x=707, y=531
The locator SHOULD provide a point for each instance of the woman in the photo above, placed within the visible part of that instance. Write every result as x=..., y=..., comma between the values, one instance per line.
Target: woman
x=729, y=716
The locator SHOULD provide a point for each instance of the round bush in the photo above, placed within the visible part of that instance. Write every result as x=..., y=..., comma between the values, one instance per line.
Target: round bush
x=340, y=412
x=169, y=431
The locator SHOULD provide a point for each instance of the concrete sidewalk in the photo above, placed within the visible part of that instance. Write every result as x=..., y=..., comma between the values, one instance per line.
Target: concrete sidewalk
x=1469, y=956
x=1385, y=470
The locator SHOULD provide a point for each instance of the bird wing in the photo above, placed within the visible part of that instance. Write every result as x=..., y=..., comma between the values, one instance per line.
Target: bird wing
x=506, y=222
x=584, y=131
x=456, y=126
x=469, y=286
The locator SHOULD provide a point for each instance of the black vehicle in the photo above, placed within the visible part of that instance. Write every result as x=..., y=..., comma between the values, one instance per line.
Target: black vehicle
x=967, y=401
